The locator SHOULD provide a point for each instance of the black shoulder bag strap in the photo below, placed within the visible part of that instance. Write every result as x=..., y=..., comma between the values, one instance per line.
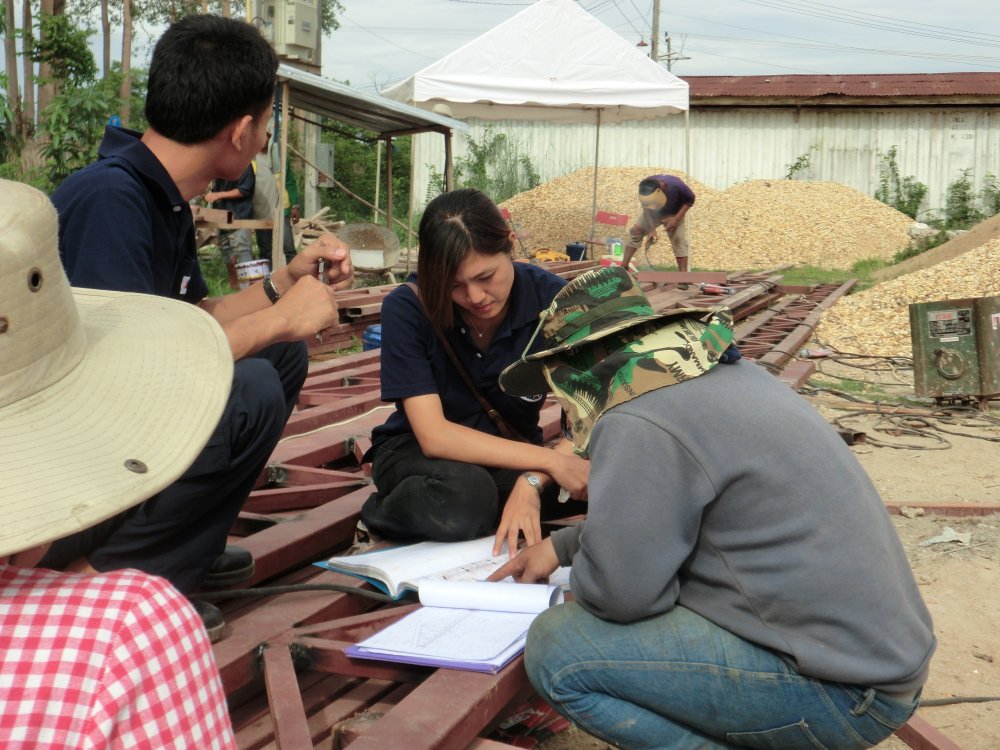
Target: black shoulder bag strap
x=506, y=430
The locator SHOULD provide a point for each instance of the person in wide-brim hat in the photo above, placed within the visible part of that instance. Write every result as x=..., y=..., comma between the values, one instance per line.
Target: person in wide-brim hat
x=105, y=398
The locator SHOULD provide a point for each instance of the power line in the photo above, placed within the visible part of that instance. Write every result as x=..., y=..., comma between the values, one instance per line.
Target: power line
x=769, y=66
x=823, y=46
x=881, y=23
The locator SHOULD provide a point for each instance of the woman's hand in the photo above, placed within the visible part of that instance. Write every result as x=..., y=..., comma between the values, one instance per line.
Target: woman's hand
x=521, y=515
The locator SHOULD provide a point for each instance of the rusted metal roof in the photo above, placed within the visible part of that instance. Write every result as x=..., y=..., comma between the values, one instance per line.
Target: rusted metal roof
x=896, y=85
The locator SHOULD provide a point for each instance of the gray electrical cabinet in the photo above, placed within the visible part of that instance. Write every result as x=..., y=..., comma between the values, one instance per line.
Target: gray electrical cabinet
x=956, y=349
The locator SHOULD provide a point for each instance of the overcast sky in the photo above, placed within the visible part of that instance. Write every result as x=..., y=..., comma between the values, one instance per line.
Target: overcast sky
x=383, y=41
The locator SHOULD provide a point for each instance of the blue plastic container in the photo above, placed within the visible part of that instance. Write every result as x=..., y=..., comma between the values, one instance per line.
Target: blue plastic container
x=575, y=250
x=372, y=338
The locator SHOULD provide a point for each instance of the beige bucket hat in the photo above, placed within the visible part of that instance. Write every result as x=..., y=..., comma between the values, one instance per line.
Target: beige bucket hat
x=105, y=397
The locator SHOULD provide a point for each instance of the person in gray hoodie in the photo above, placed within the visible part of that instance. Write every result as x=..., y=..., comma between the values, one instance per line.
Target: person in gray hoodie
x=737, y=581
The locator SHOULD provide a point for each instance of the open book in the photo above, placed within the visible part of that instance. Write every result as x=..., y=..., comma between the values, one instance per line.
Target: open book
x=397, y=570
x=469, y=625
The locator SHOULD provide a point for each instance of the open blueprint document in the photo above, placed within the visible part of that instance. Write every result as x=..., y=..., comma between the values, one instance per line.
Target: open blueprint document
x=470, y=625
x=397, y=570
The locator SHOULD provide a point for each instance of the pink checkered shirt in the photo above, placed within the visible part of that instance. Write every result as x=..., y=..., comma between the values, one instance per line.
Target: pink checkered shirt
x=112, y=661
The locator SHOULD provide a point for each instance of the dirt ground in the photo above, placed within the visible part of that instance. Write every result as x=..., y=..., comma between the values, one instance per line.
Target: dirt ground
x=960, y=580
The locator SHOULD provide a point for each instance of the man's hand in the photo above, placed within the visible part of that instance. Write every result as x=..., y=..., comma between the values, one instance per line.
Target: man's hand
x=570, y=472
x=670, y=223
x=532, y=564
x=309, y=307
x=294, y=215
x=521, y=514
x=336, y=256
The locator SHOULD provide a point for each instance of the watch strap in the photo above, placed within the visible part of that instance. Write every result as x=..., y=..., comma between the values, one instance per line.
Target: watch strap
x=270, y=289
x=534, y=481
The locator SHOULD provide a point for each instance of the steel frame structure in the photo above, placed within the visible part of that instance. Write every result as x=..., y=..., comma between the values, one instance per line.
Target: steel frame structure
x=290, y=685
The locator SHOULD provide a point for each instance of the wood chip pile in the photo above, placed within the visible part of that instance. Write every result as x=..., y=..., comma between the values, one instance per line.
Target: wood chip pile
x=876, y=321
x=753, y=225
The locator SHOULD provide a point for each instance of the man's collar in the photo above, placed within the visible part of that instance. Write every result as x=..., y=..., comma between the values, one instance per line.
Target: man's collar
x=127, y=145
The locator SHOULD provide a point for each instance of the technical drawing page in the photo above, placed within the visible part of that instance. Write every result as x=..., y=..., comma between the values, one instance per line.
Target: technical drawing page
x=452, y=634
x=499, y=596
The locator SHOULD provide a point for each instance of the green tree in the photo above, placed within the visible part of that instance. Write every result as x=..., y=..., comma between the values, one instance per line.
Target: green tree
x=76, y=118
x=960, y=211
x=902, y=193
x=494, y=164
x=355, y=167
x=990, y=194
x=63, y=47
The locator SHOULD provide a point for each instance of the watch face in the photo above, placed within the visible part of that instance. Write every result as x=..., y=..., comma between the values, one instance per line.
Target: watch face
x=534, y=481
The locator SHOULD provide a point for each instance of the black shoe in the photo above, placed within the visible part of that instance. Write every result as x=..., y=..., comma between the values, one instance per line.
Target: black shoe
x=211, y=618
x=234, y=565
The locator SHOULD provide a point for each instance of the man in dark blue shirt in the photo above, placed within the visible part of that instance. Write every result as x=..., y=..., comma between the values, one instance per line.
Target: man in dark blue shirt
x=665, y=200
x=125, y=224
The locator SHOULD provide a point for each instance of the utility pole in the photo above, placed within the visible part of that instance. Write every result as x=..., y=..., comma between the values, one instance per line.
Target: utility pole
x=671, y=55
x=654, y=50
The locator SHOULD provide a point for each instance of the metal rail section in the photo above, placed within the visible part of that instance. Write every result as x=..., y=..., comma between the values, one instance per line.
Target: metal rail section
x=290, y=685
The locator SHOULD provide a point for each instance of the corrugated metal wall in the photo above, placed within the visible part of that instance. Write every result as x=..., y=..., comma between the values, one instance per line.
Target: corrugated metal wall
x=731, y=145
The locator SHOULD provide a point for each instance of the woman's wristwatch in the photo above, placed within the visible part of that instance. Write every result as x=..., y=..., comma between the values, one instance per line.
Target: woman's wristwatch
x=534, y=481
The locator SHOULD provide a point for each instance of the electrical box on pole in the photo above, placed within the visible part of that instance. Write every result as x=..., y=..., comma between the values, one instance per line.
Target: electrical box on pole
x=292, y=27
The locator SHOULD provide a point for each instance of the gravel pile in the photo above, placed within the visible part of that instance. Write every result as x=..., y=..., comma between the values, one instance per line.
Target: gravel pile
x=876, y=321
x=753, y=225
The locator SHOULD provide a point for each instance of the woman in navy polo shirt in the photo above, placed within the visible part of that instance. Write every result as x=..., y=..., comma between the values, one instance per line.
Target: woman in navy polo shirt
x=442, y=469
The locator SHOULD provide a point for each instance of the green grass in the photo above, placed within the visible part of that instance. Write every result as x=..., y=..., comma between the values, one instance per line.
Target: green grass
x=214, y=271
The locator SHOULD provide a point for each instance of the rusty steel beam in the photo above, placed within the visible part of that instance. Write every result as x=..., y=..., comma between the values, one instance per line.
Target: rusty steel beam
x=958, y=510
x=448, y=712
x=921, y=735
x=291, y=731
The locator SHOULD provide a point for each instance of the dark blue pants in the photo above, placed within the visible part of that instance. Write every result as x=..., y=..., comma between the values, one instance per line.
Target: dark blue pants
x=422, y=498
x=178, y=533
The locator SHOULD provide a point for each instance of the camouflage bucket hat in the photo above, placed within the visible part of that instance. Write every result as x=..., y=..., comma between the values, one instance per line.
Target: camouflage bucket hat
x=594, y=305
x=591, y=379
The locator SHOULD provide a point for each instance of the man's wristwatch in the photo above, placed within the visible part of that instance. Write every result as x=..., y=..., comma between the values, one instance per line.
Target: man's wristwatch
x=534, y=481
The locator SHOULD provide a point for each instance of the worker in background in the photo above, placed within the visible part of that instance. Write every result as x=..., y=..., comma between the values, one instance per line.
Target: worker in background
x=665, y=202
x=268, y=163
x=737, y=581
x=125, y=224
x=105, y=398
x=235, y=196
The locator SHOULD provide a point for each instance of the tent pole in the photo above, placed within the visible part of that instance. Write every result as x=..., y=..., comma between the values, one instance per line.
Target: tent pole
x=388, y=183
x=593, y=206
x=687, y=143
x=447, y=161
x=409, y=210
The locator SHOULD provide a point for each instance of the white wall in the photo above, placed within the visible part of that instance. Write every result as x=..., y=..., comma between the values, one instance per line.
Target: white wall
x=731, y=145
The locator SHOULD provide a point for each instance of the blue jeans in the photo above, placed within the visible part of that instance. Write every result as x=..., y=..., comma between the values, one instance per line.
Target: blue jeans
x=677, y=680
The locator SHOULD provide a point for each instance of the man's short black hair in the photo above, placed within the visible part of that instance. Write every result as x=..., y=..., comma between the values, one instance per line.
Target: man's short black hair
x=649, y=186
x=207, y=71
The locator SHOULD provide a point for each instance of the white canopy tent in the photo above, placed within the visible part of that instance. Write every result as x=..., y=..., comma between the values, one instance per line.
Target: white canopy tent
x=552, y=61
